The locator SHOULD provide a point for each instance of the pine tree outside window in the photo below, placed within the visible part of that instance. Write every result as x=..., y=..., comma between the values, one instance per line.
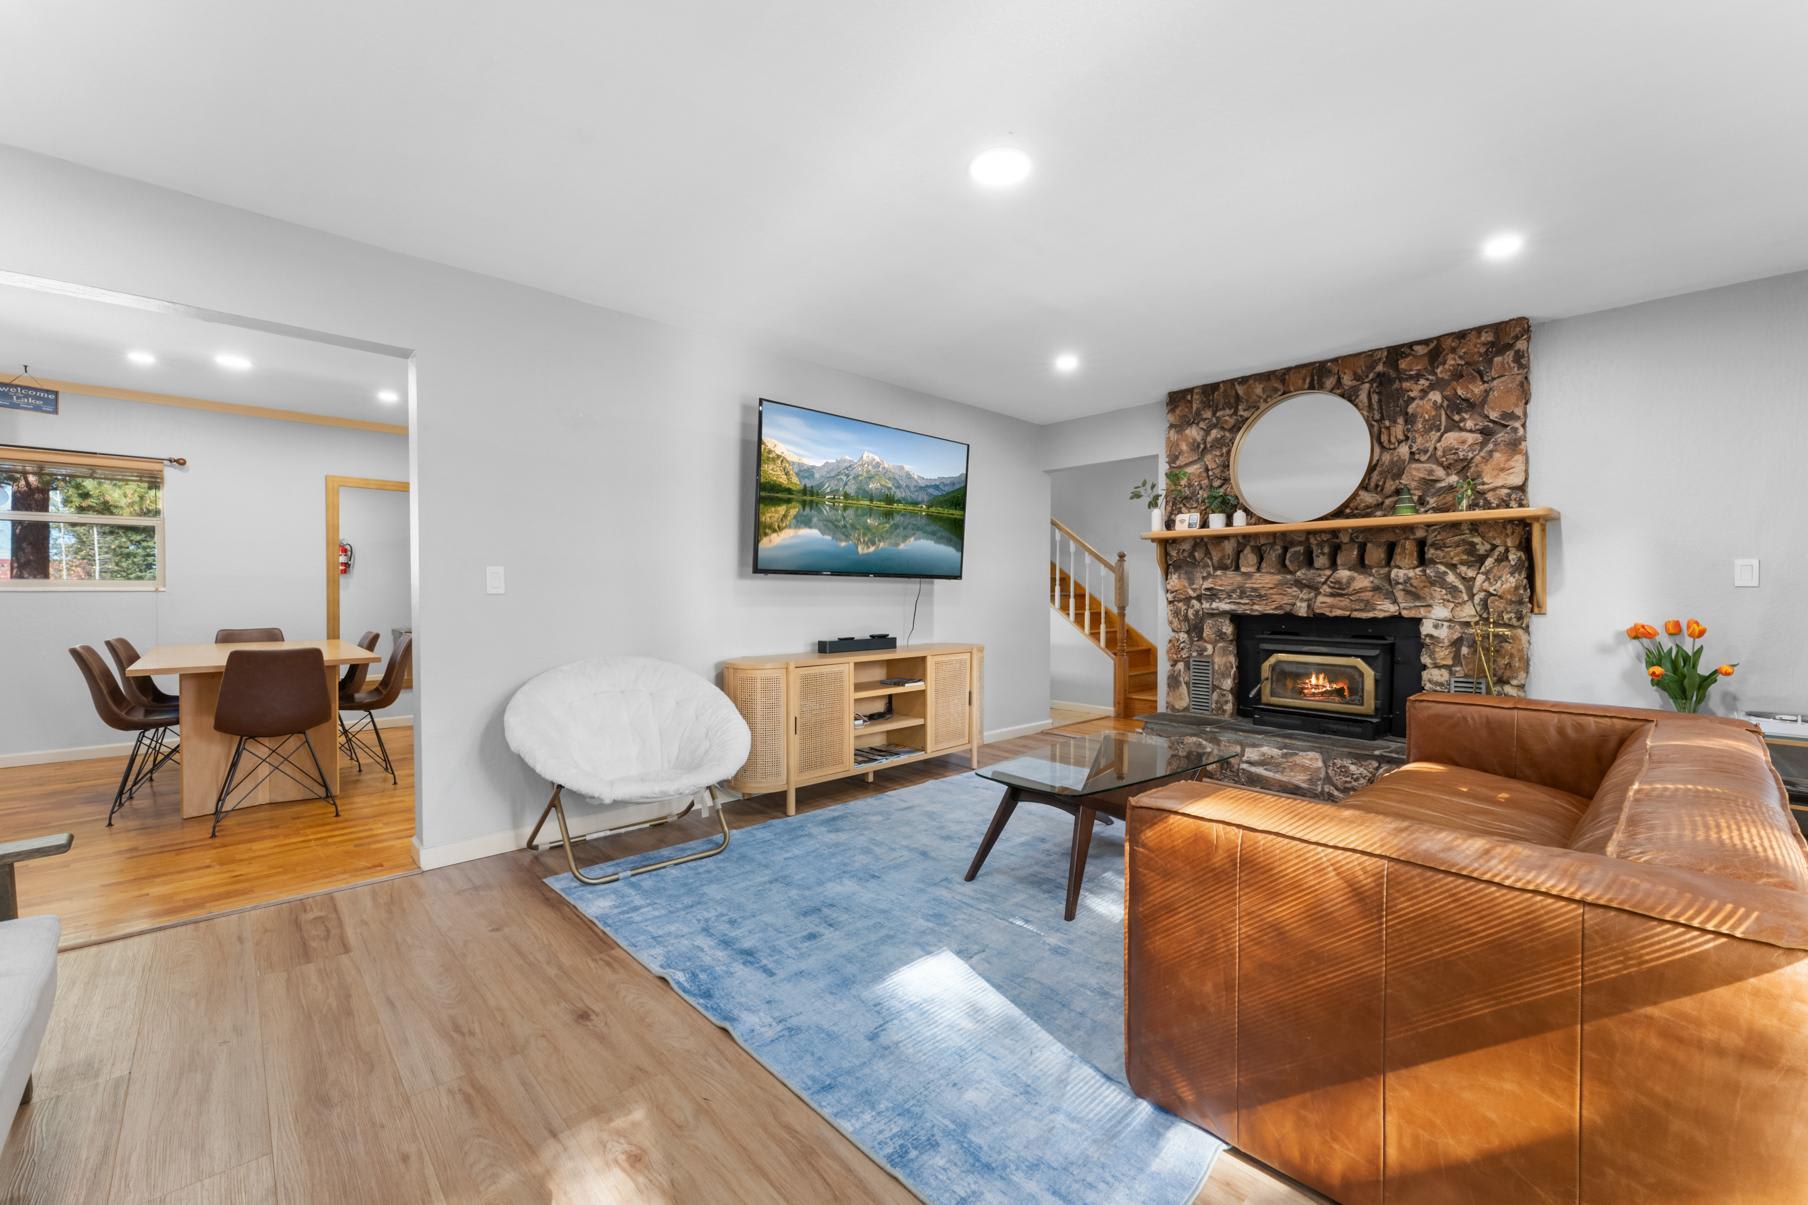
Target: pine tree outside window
x=75, y=522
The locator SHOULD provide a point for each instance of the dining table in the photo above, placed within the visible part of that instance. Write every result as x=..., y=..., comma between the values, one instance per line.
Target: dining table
x=205, y=750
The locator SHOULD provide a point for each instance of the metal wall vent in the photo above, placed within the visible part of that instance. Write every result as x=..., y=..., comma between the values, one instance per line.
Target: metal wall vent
x=1461, y=684
x=1199, y=685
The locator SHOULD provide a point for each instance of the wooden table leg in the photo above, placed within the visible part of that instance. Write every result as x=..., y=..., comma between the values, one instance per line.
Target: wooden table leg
x=1076, y=863
x=1006, y=806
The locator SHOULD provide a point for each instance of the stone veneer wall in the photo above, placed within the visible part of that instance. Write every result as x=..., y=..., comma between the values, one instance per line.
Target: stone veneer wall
x=1441, y=409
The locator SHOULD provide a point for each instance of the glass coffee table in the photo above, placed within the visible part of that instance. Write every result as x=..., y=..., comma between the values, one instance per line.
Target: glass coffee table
x=1092, y=778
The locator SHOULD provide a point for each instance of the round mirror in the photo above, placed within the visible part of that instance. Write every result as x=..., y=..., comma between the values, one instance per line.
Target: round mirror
x=1301, y=457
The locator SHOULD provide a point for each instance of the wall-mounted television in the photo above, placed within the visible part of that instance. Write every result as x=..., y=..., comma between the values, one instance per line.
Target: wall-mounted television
x=839, y=496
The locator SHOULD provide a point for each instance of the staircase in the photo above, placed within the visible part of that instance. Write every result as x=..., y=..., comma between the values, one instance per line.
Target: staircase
x=1092, y=592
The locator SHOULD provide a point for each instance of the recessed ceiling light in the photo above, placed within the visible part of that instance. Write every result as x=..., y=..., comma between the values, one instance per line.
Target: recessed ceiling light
x=1504, y=245
x=144, y=358
x=1066, y=362
x=1000, y=167
x=388, y=395
x=232, y=360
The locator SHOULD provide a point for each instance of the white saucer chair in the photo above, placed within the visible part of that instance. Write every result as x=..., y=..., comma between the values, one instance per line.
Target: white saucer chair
x=627, y=730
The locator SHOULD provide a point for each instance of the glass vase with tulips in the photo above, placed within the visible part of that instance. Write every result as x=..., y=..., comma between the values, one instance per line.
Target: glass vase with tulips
x=1675, y=670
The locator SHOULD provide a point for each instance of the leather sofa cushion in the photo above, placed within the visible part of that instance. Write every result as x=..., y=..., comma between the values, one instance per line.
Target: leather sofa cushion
x=1697, y=797
x=1470, y=801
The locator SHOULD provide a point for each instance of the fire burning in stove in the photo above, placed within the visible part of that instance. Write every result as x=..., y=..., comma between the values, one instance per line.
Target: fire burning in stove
x=1322, y=687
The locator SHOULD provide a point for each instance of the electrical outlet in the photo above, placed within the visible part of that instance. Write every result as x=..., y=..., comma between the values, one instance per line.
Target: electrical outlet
x=492, y=580
x=1745, y=572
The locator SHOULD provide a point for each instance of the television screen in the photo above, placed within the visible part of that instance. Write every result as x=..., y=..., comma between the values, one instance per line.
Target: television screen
x=841, y=496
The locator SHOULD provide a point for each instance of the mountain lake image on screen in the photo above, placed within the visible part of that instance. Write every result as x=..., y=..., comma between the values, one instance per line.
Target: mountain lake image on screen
x=841, y=496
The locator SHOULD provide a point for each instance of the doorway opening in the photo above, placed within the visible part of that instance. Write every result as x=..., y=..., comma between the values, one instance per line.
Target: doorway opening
x=161, y=473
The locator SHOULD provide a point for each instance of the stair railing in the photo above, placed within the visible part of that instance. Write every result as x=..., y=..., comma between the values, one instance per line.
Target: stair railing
x=1088, y=573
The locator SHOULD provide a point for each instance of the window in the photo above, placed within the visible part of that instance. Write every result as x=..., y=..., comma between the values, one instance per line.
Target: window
x=71, y=521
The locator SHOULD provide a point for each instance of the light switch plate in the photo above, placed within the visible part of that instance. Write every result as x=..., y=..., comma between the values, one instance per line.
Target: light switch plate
x=1745, y=572
x=493, y=580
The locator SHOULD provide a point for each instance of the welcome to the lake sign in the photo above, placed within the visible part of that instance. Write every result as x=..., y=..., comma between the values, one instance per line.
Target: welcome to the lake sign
x=28, y=397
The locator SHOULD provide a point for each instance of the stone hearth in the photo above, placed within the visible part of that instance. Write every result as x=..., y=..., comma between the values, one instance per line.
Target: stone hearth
x=1441, y=409
x=1294, y=763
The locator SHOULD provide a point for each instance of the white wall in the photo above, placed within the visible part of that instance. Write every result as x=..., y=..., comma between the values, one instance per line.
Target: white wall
x=1093, y=500
x=376, y=596
x=604, y=460
x=244, y=526
x=1119, y=435
x=1671, y=436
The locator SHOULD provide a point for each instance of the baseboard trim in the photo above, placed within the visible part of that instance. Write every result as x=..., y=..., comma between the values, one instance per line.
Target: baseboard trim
x=45, y=757
x=436, y=856
x=1005, y=734
x=1097, y=711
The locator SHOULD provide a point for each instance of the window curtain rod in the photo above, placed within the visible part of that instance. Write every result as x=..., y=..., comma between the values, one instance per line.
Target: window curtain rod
x=178, y=461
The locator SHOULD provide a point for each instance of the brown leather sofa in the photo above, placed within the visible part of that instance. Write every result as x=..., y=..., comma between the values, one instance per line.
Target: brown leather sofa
x=1559, y=956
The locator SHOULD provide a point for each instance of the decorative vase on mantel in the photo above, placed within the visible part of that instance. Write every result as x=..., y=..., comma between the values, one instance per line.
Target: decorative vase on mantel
x=1239, y=518
x=1155, y=520
x=1217, y=519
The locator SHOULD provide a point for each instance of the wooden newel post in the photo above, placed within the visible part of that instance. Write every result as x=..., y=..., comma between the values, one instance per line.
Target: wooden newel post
x=1121, y=655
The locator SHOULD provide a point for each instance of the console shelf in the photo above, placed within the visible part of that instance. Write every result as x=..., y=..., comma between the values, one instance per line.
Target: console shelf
x=1536, y=517
x=800, y=709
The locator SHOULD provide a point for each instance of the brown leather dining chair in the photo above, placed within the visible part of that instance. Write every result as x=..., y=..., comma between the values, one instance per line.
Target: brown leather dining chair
x=369, y=702
x=267, y=697
x=350, y=683
x=139, y=690
x=247, y=636
x=149, y=725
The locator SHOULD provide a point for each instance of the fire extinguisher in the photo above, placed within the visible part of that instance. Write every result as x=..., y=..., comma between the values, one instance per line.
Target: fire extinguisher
x=345, y=558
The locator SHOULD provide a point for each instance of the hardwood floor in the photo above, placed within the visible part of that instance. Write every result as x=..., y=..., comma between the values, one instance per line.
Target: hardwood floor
x=457, y=1035
x=154, y=868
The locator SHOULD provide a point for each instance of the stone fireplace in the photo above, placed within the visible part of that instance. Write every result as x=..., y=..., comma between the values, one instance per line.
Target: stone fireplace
x=1442, y=410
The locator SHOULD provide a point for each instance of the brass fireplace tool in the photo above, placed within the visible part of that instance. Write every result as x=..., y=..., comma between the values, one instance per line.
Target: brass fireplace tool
x=1484, y=632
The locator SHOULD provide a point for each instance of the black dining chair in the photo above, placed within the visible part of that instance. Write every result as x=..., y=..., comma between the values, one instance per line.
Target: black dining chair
x=149, y=725
x=269, y=697
x=369, y=702
x=247, y=636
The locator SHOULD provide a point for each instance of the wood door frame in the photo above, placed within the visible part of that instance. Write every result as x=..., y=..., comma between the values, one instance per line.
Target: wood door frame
x=333, y=486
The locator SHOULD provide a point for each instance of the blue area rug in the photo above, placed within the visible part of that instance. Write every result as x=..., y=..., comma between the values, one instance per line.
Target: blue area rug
x=962, y=1034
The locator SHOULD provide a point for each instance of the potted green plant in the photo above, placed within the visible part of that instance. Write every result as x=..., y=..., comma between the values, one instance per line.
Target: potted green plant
x=1150, y=494
x=1219, y=502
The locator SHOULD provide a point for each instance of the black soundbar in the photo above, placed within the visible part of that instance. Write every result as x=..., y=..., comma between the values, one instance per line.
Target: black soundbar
x=857, y=644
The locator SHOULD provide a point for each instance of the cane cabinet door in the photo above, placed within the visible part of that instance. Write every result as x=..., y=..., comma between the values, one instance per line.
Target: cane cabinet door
x=950, y=689
x=823, y=719
x=759, y=695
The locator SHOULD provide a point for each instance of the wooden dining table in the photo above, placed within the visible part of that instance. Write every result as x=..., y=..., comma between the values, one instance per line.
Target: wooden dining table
x=206, y=750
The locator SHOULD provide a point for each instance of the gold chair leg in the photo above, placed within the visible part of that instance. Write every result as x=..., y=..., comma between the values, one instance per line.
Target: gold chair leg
x=556, y=807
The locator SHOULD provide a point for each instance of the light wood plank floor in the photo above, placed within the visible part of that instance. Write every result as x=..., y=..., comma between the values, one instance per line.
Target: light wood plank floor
x=458, y=1035
x=153, y=868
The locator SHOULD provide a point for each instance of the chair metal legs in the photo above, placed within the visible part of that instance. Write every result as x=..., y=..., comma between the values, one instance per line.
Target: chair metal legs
x=151, y=750
x=556, y=807
x=272, y=759
x=352, y=740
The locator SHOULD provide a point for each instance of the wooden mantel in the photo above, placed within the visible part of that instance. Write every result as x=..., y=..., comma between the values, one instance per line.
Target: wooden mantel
x=1535, y=516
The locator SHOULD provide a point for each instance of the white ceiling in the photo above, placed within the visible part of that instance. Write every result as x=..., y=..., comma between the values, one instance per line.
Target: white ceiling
x=1218, y=187
x=83, y=340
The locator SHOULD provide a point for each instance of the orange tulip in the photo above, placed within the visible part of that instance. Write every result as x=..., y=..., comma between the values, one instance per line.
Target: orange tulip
x=1647, y=632
x=1632, y=633
x=1656, y=672
x=1725, y=671
x=1697, y=629
x=1672, y=627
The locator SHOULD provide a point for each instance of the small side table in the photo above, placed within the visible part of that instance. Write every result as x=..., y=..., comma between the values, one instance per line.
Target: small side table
x=1790, y=756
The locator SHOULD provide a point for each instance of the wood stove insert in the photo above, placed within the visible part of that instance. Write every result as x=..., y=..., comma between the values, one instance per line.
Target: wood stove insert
x=1342, y=677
